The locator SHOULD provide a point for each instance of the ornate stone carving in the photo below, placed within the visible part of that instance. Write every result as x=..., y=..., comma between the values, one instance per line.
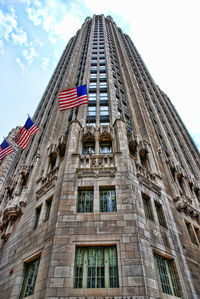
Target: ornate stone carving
x=183, y=206
x=9, y=217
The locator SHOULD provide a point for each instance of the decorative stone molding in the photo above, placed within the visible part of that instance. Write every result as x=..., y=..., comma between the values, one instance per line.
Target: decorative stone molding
x=9, y=217
x=133, y=141
x=47, y=183
x=182, y=206
x=143, y=172
x=47, y=180
x=98, y=172
x=96, y=165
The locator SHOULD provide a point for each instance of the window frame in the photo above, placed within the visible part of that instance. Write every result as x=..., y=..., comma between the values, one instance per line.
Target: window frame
x=48, y=205
x=38, y=210
x=97, y=270
x=85, y=192
x=147, y=207
x=106, y=205
x=167, y=275
x=160, y=214
x=27, y=270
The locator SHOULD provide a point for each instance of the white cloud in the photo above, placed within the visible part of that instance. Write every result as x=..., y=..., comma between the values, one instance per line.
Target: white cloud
x=8, y=23
x=29, y=54
x=45, y=62
x=21, y=65
x=35, y=15
x=19, y=37
x=58, y=19
x=36, y=42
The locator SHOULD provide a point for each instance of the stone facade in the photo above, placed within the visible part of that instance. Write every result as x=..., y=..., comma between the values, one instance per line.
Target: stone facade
x=131, y=144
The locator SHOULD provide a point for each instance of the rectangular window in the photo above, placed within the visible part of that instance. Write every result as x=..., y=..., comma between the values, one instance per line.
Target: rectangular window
x=107, y=200
x=31, y=270
x=105, y=147
x=93, y=85
x=191, y=233
x=96, y=267
x=103, y=96
x=103, y=85
x=102, y=76
x=160, y=214
x=48, y=209
x=167, y=275
x=197, y=231
x=92, y=110
x=85, y=201
x=104, y=110
x=37, y=216
x=147, y=207
x=92, y=96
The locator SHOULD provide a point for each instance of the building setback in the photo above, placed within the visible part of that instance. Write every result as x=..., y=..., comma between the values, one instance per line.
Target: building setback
x=109, y=208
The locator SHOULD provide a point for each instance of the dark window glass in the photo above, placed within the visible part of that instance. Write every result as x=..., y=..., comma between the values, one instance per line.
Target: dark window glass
x=107, y=200
x=31, y=270
x=37, y=216
x=85, y=201
x=96, y=267
x=167, y=275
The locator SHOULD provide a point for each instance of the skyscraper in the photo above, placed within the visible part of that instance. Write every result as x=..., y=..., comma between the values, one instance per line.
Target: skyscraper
x=108, y=205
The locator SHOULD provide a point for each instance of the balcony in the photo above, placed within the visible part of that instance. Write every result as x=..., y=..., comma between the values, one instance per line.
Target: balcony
x=96, y=166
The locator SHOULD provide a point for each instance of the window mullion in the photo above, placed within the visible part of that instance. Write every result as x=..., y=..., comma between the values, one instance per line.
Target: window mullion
x=85, y=268
x=106, y=268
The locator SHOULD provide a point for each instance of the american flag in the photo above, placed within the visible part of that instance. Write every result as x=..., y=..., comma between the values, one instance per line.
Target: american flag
x=73, y=97
x=5, y=149
x=24, y=135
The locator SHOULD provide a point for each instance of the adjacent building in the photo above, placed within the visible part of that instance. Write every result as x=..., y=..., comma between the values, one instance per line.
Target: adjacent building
x=108, y=205
x=7, y=161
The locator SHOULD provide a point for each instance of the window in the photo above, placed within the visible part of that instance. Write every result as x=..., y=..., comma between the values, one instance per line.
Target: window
x=167, y=276
x=37, y=216
x=191, y=233
x=104, y=110
x=160, y=214
x=102, y=76
x=103, y=85
x=93, y=76
x=92, y=97
x=107, y=200
x=105, y=147
x=92, y=110
x=85, y=201
x=103, y=96
x=90, y=123
x=88, y=148
x=48, y=209
x=197, y=231
x=96, y=267
x=31, y=270
x=147, y=207
x=102, y=69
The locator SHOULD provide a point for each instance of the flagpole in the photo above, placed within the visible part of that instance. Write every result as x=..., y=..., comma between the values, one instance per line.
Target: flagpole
x=41, y=130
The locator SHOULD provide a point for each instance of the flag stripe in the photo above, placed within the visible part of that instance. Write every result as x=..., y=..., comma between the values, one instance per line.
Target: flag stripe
x=75, y=102
x=72, y=97
x=6, y=152
x=72, y=106
x=84, y=98
x=24, y=135
x=5, y=149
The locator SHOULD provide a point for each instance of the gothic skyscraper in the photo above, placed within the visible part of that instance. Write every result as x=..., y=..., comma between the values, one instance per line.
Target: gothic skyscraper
x=108, y=206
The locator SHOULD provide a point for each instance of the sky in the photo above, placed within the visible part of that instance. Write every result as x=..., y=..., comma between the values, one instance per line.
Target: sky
x=34, y=33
